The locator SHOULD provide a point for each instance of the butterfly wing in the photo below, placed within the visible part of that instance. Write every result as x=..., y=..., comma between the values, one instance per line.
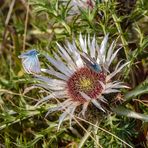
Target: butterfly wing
x=31, y=64
x=36, y=67
x=86, y=59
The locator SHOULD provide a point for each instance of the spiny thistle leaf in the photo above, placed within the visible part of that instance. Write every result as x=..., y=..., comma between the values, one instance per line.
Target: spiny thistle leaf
x=129, y=113
x=139, y=90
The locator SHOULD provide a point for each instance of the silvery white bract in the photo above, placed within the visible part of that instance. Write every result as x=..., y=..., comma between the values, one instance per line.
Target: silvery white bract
x=30, y=62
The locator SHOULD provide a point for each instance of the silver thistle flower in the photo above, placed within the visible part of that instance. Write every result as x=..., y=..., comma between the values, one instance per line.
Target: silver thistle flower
x=84, y=4
x=75, y=78
x=76, y=5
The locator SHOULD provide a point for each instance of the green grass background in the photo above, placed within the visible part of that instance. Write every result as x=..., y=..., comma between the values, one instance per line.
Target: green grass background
x=40, y=24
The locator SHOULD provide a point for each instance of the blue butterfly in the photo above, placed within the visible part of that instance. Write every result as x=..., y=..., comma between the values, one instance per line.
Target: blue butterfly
x=90, y=62
x=30, y=62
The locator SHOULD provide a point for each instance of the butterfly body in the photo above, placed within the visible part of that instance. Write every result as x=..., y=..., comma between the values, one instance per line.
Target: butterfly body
x=90, y=62
x=30, y=62
x=96, y=67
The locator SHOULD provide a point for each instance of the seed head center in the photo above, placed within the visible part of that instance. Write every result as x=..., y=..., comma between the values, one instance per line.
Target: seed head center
x=87, y=81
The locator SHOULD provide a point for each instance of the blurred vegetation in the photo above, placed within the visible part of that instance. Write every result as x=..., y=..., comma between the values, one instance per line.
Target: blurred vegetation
x=40, y=24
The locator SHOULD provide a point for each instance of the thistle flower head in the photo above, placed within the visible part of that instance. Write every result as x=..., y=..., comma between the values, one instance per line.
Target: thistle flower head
x=76, y=79
x=84, y=4
x=76, y=5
